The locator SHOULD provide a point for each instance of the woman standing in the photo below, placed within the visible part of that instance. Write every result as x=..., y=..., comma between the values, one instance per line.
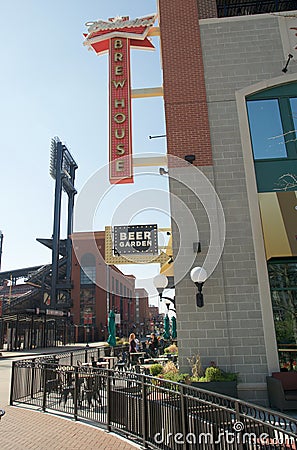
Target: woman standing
x=132, y=343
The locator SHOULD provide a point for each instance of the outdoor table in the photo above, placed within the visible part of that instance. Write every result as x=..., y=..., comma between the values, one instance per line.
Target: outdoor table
x=105, y=364
x=111, y=361
x=159, y=360
x=146, y=368
x=134, y=357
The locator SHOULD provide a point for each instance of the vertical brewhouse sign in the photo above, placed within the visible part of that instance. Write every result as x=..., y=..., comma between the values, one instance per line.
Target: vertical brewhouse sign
x=117, y=36
x=120, y=143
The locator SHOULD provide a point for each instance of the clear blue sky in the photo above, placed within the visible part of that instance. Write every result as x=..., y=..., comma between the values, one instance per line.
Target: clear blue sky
x=52, y=86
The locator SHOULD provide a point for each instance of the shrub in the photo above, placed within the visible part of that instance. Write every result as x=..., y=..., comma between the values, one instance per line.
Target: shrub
x=216, y=374
x=173, y=349
x=169, y=367
x=156, y=369
x=175, y=376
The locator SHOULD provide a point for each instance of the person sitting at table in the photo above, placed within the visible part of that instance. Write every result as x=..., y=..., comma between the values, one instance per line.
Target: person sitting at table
x=132, y=343
x=93, y=362
x=153, y=345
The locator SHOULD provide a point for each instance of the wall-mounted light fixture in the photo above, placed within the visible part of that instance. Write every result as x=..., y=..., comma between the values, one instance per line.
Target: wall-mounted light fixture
x=199, y=276
x=285, y=69
x=196, y=247
x=162, y=171
x=190, y=158
x=161, y=282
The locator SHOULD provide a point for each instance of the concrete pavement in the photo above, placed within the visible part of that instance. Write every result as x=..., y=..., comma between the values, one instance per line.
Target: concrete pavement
x=29, y=429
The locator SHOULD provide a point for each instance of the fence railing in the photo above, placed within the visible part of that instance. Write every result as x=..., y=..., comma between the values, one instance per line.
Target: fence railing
x=154, y=412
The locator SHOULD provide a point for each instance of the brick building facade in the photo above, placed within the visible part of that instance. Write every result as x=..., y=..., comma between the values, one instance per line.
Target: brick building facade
x=212, y=68
x=99, y=288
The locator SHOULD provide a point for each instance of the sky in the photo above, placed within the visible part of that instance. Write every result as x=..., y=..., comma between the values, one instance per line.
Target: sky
x=51, y=85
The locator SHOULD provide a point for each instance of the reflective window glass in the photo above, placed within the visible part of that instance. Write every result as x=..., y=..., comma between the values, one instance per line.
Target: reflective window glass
x=266, y=129
x=293, y=103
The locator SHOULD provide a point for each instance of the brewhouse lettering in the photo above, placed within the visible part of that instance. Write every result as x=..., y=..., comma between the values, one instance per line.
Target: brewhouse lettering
x=117, y=36
x=119, y=165
x=118, y=103
x=119, y=83
x=118, y=135
x=120, y=149
x=118, y=70
x=119, y=118
x=118, y=57
x=118, y=43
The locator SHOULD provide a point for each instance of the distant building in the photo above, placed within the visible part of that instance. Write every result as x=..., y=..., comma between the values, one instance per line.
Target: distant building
x=99, y=288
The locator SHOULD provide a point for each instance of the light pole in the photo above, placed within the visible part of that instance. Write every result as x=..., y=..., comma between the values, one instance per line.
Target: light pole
x=160, y=282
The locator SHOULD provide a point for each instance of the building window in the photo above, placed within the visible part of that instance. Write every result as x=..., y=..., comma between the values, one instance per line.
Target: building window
x=88, y=269
x=87, y=290
x=266, y=129
x=87, y=305
x=87, y=275
x=117, y=286
x=273, y=121
x=283, y=285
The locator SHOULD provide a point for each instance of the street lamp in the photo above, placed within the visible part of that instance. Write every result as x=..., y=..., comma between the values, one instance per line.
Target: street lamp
x=169, y=302
x=199, y=276
x=160, y=282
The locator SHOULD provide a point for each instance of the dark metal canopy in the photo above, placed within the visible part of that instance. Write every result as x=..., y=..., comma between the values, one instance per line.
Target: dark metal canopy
x=13, y=275
x=227, y=8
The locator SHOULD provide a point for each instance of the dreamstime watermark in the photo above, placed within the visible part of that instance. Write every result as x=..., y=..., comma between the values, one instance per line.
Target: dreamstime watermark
x=235, y=436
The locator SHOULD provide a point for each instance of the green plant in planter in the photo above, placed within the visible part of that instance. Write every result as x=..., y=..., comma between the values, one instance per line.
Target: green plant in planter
x=156, y=369
x=216, y=380
x=215, y=374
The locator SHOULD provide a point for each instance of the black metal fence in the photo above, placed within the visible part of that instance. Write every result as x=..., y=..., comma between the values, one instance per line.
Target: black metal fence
x=154, y=412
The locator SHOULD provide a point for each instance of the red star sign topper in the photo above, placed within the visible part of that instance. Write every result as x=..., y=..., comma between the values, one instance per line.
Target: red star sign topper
x=117, y=36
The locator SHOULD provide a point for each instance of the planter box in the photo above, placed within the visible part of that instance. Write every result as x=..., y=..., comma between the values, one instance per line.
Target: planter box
x=228, y=388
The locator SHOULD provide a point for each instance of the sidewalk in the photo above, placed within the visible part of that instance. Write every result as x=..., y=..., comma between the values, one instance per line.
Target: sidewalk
x=27, y=429
x=47, y=350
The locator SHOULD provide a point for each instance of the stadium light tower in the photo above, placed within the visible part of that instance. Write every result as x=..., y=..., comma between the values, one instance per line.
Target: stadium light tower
x=62, y=170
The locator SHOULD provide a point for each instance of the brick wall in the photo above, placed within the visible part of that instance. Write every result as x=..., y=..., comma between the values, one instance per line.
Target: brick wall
x=207, y=8
x=183, y=77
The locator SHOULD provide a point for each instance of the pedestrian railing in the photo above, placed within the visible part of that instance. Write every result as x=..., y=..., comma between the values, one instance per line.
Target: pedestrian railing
x=153, y=412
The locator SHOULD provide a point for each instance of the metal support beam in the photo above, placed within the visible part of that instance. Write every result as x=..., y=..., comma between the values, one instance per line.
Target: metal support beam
x=57, y=215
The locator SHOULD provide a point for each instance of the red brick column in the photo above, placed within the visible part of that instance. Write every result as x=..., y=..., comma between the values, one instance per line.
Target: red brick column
x=207, y=8
x=186, y=111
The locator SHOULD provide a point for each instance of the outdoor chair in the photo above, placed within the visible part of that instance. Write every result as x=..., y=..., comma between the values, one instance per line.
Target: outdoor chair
x=123, y=362
x=90, y=391
x=66, y=386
